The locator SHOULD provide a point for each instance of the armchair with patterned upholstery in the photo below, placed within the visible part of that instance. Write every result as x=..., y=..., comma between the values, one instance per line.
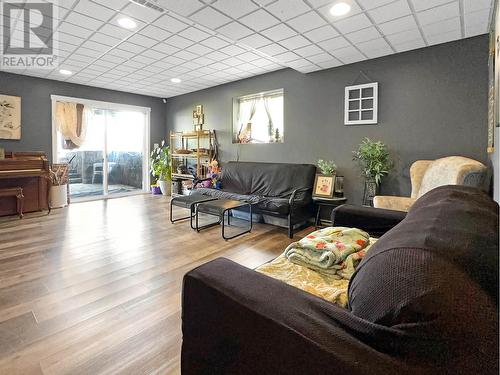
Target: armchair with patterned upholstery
x=426, y=175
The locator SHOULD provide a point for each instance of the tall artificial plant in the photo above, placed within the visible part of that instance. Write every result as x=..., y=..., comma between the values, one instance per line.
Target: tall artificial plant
x=160, y=163
x=373, y=159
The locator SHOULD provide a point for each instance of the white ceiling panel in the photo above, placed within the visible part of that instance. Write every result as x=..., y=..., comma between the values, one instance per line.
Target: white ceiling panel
x=209, y=42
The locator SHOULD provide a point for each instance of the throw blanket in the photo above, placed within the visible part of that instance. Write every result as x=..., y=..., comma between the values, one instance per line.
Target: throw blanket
x=331, y=251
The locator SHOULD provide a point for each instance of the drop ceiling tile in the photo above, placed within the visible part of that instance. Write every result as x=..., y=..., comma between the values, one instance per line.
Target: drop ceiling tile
x=120, y=53
x=438, y=14
x=286, y=9
x=308, y=50
x=334, y=43
x=182, y=7
x=479, y=17
x=153, y=54
x=442, y=27
x=199, y=49
x=70, y=39
x=93, y=10
x=234, y=30
x=179, y=41
x=248, y=56
x=80, y=20
x=235, y=8
x=210, y=18
x=115, y=31
x=375, y=48
x=273, y=49
x=140, y=12
x=233, y=61
x=142, y=40
x=370, y=4
x=349, y=55
x=306, y=22
x=216, y=56
x=104, y=39
x=170, y=24
x=321, y=33
x=214, y=42
x=259, y=20
x=390, y=11
x=297, y=64
x=95, y=46
x=232, y=50
x=185, y=55
x=399, y=25
x=320, y=57
x=194, y=34
x=154, y=32
x=364, y=35
x=255, y=41
x=111, y=4
x=405, y=37
x=173, y=60
x=74, y=30
x=475, y=5
x=165, y=48
x=329, y=64
x=279, y=32
x=132, y=47
x=354, y=23
x=319, y=3
x=287, y=57
x=295, y=42
x=420, y=5
x=445, y=37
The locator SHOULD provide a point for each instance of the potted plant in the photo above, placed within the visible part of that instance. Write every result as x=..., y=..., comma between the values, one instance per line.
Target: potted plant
x=375, y=162
x=328, y=167
x=161, y=168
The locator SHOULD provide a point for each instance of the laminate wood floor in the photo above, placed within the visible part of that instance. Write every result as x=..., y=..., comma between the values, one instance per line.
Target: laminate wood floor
x=95, y=288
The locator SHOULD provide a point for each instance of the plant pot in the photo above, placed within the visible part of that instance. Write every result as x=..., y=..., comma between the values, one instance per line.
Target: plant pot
x=371, y=189
x=58, y=196
x=155, y=190
x=165, y=187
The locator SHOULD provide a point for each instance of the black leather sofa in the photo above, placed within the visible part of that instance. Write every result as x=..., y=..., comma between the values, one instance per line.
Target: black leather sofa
x=276, y=189
x=424, y=300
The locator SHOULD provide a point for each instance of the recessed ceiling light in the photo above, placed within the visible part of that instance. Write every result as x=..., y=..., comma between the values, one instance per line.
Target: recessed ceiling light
x=127, y=23
x=340, y=9
x=175, y=80
x=65, y=72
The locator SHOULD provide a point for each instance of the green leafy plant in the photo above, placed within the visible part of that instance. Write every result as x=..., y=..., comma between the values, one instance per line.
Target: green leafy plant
x=327, y=167
x=373, y=159
x=160, y=163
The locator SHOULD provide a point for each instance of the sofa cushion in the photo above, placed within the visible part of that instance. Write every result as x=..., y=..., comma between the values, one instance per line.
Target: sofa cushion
x=276, y=205
x=436, y=271
x=266, y=179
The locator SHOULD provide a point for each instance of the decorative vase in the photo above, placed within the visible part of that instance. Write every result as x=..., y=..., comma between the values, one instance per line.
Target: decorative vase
x=58, y=196
x=165, y=187
x=371, y=189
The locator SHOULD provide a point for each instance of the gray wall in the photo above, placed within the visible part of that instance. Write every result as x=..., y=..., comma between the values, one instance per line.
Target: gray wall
x=36, y=108
x=433, y=103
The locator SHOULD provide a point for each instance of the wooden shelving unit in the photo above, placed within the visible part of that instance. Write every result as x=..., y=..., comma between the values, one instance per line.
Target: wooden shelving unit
x=197, y=148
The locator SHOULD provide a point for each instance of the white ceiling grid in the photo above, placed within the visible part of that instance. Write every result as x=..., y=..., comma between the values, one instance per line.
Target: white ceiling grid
x=210, y=42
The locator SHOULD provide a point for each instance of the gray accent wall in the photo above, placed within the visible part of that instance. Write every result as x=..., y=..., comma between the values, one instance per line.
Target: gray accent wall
x=36, y=108
x=432, y=103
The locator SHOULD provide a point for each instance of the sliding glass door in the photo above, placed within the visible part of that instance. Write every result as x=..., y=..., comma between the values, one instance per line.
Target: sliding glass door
x=111, y=158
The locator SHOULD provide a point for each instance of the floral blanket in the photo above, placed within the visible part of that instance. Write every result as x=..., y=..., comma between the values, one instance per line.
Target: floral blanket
x=333, y=251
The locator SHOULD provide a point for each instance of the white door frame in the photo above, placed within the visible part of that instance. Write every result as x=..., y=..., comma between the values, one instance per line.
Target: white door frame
x=146, y=180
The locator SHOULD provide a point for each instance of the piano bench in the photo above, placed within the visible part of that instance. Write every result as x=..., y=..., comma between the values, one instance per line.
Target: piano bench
x=16, y=192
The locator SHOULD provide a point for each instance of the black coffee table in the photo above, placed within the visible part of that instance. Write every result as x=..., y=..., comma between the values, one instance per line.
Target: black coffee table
x=219, y=208
x=189, y=202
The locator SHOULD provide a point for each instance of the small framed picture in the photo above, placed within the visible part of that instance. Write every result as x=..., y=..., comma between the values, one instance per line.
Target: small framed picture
x=324, y=186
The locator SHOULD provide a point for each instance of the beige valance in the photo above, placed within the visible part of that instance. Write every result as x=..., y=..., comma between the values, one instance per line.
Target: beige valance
x=71, y=121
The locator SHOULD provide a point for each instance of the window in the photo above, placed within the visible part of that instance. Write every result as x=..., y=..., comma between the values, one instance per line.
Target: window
x=258, y=118
x=361, y=104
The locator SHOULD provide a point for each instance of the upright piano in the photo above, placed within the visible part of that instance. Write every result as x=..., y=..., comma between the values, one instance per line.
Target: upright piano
x=29, y=171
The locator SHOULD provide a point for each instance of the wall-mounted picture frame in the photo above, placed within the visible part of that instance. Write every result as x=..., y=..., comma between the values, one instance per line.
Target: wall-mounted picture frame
x=324, y=186
x=10, y=117
x=361, y=104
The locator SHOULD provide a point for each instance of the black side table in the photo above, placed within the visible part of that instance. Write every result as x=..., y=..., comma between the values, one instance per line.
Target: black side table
x=329, y=203
x=189, y=202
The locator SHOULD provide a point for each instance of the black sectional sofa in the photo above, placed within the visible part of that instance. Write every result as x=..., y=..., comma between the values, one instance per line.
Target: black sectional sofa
x=275, y=189
x=424, y=300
